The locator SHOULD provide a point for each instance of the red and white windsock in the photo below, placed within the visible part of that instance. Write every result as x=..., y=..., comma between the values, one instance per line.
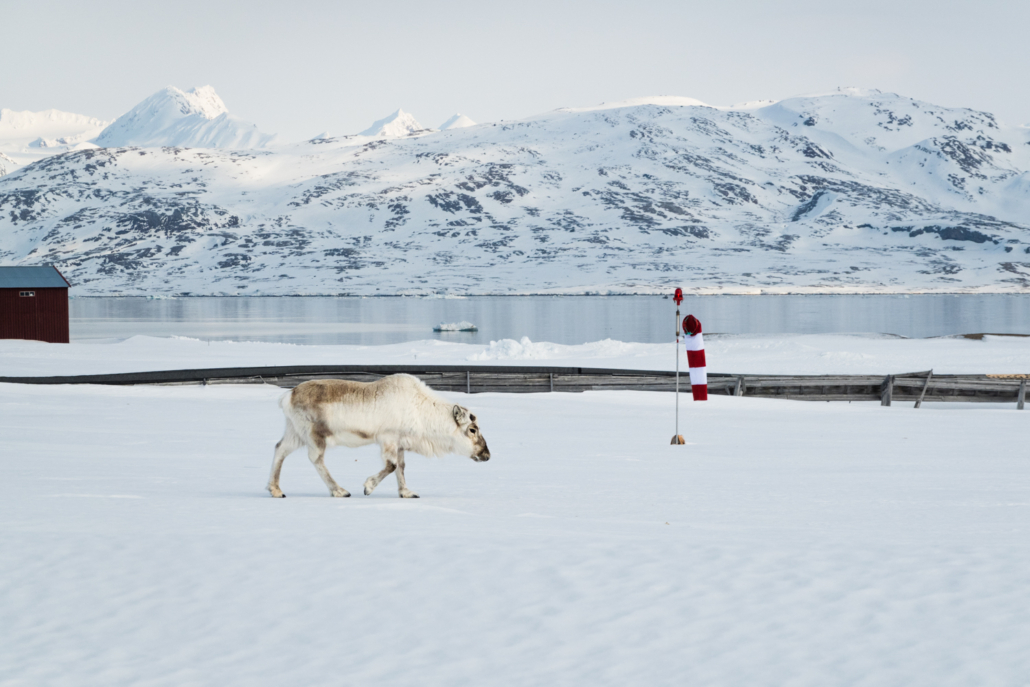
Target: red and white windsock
x=696, y=358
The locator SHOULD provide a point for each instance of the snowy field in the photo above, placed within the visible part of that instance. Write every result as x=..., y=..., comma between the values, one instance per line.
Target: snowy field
x=788, y=543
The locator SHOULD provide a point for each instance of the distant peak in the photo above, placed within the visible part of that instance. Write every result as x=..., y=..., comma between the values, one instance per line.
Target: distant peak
x=207, y=100
x=457, y=121
x=395, y=125
x=47, y=118
x=196, y=118
x=201, y=100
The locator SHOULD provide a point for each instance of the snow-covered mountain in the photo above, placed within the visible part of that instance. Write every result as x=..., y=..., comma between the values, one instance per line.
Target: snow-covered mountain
x=457, y=121
x=396, y=125
x=29, y=136
x=196, y=118
x=7, y=164
x=853, y=191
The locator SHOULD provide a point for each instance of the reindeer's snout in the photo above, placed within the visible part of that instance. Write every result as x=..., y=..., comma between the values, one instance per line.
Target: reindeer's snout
x=482, y=454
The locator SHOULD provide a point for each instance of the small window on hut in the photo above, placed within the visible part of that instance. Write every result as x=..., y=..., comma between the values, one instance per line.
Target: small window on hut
x=27, y=294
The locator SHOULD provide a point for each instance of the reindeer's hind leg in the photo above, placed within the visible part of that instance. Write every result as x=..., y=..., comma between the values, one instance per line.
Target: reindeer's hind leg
x=287, y=445
x=316, y=454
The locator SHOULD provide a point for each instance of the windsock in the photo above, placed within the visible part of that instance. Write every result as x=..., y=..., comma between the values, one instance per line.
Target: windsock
x=696, y=358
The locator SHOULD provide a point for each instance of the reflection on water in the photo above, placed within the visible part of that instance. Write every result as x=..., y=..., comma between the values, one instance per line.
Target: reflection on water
x=561, y=319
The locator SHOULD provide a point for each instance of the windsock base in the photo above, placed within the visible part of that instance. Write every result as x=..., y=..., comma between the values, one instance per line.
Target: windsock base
x=678, y=439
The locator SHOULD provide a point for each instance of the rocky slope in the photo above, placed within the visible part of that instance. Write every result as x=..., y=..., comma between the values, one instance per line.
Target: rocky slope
x=854, y=191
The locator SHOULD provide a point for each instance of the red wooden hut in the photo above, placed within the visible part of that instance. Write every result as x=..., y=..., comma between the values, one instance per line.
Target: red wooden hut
x=33, y=304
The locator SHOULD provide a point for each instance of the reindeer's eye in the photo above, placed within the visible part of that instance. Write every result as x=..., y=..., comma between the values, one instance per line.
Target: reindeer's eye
x=472, y=430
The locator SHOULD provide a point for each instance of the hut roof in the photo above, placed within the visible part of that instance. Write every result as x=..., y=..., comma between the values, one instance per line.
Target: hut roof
x=41, y=277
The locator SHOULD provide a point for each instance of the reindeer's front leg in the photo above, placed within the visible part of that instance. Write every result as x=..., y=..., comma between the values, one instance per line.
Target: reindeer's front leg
x=388, y=454
x=402, y=486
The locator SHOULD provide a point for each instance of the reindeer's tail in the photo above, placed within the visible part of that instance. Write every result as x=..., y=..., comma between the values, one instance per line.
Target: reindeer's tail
x=284, y=400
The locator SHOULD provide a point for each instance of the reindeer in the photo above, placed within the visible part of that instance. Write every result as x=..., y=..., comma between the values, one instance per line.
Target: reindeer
x=398, y=412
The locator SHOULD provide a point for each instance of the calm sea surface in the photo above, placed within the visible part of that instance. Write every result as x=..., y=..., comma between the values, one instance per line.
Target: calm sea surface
x=560, y=319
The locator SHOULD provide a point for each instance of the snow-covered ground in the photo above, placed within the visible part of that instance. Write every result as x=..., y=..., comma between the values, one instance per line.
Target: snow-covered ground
x=738, y=354
x=786, y=543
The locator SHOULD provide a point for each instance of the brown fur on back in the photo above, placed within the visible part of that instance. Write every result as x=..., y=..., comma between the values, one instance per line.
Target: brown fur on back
x=312, y=394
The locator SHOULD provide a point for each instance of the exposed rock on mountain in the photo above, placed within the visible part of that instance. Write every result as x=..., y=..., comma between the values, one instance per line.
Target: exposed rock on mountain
x=855, y=191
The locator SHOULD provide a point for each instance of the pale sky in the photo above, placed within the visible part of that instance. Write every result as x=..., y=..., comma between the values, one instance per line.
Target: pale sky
x=300, y=68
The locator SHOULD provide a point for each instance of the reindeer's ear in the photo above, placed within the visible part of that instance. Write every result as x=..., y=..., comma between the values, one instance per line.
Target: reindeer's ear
x=461, y=415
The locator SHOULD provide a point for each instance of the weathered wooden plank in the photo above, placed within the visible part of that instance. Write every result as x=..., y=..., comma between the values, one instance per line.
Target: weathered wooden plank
x=922, y=394
x=827, y=397
x=968, y=382
x=759, y=382
x=969, y=399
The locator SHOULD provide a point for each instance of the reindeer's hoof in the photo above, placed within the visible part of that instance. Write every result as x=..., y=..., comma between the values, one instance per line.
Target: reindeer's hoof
x=409, y=495
x=341, y=493
x=369, y=486
x=277, y=494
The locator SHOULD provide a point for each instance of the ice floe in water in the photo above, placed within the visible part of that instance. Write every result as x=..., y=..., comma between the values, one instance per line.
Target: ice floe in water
x=462, y=326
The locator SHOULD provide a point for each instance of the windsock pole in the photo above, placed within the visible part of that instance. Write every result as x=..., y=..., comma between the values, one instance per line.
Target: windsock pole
x=677, y=438
x=677, y=371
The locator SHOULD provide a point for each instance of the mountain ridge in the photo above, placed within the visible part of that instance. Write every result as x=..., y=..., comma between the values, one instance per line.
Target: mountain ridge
x=850, y=192
x=27, y=136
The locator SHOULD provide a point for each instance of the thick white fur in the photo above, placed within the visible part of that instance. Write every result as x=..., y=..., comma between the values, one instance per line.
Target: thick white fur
x=399, y=413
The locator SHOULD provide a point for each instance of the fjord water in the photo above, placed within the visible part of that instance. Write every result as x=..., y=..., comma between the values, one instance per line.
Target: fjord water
x=558, y=319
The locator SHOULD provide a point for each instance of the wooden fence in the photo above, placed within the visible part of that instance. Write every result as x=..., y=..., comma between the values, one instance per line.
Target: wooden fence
x=916, y=387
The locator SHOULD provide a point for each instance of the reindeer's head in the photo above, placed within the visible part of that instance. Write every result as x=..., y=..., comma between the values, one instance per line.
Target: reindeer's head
x=469, y=430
